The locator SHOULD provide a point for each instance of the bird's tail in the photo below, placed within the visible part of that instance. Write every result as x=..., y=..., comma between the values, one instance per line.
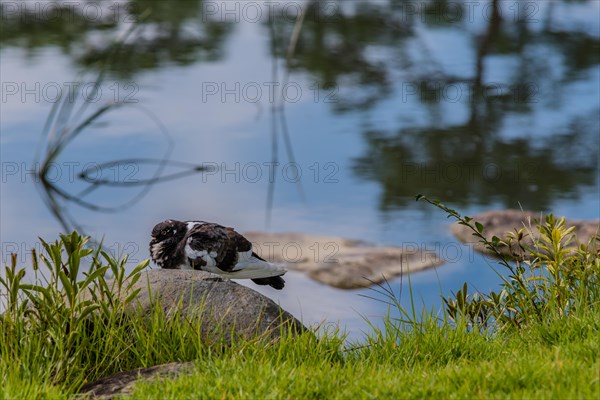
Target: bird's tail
x=254, y=267
x=275, y=282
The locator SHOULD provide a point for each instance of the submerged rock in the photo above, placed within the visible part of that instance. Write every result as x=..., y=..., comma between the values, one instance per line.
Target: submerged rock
x=225, y=307
x=339, y=262
x=500, y=223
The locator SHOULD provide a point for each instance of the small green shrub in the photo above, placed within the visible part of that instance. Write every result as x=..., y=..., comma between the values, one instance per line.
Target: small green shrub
x=54, y=330
x=546, y=280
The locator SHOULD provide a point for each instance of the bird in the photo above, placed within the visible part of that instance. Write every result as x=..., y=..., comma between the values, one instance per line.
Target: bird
x=207, y=246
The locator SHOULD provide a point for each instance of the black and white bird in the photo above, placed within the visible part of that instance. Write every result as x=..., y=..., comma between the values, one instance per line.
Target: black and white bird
x=213, y=248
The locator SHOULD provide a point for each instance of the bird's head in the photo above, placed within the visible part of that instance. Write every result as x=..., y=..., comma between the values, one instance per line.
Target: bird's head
x=166, y=236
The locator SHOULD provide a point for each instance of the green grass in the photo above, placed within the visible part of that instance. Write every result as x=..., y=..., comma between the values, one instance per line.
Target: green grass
x=555, y=361
x=536, y=337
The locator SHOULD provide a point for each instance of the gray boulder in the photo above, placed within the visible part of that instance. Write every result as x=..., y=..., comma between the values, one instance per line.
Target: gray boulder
x=226, y=309
x=122, y=383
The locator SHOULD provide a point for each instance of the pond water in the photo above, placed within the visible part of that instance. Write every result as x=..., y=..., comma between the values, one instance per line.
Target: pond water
x=482, y=105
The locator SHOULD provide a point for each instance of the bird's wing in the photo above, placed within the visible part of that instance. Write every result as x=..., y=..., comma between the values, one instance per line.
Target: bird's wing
x=205, y=245
x=215, y=248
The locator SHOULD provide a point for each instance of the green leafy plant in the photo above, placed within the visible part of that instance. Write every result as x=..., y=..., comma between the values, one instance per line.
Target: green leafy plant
x=55, y=321
x=546, y=280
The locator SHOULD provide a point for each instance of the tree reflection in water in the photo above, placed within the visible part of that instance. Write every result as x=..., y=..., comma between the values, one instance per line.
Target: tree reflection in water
x=368, y=53
x=470, y=162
